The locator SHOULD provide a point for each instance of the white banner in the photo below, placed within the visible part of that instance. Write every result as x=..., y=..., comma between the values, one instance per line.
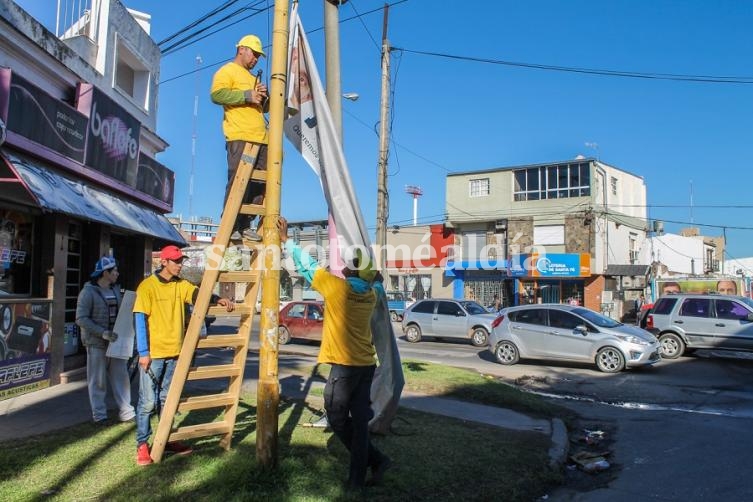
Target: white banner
x=309, y=126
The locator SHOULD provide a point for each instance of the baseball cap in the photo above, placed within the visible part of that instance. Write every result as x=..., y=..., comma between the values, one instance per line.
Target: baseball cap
x=104, y=263
x=171, y=253
x=252, y=42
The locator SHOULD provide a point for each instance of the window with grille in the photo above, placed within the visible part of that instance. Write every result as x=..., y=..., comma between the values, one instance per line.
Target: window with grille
x=479, y=187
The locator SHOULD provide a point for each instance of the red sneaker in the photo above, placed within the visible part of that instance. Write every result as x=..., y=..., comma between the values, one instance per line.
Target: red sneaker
x=142, y=455
x=178, y=448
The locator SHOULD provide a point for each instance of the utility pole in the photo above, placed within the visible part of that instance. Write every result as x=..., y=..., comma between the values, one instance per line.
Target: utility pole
x=332, y=61
x=384, y=142
x=268, y=388
x=334, y=95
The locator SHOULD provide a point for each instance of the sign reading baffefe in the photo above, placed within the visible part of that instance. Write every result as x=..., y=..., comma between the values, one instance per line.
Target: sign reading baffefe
x=112, y=143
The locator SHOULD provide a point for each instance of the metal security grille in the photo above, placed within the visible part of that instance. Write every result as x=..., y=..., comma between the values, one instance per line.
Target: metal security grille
x=482, y=288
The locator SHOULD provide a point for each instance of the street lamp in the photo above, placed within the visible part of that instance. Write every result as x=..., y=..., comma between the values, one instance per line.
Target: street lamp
x=351, y=96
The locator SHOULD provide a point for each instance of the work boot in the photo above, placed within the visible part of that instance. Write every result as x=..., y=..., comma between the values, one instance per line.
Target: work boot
x=178, y=448
x=142, y=455
x=235, y=236
x=251, y=235
x=378, y=470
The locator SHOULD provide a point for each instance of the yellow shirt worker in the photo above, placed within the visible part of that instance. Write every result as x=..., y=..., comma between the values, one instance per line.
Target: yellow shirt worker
x=243, y=98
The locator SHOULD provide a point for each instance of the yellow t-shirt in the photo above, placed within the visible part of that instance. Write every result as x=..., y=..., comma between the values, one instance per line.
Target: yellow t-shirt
x=163, y=302
x=346, y=336
x=244, y=121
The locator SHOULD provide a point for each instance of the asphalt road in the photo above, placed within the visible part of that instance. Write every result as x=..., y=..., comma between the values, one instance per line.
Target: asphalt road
x=678, y=430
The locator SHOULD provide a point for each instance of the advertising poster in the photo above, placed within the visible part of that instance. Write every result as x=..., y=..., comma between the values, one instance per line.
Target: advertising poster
x=722, y=286
x=122, y=348
x=24, y=347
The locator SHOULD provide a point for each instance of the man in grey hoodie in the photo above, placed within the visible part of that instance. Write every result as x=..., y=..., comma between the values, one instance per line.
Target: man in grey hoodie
x=96, y=310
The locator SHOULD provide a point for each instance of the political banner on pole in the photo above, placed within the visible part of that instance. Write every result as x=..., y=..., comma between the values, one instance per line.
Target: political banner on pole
x=310, y=127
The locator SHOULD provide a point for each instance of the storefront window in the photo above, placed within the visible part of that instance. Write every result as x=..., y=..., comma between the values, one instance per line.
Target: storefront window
x=16, y=230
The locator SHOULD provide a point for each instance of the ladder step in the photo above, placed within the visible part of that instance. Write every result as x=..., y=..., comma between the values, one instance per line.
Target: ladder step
x=239, y=310
x=259, y=175
x=239, y=276
x=203, y=402
x=220, y=341
x=214, y=371
x=255, y=209
x=200, y=431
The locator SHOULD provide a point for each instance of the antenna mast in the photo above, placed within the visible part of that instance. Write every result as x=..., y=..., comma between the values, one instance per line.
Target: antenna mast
x=193, y=140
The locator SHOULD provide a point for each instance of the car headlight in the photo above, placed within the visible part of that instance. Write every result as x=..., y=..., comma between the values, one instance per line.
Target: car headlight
x=633, y=339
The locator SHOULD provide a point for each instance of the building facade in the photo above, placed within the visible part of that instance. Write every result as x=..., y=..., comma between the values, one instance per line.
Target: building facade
x=546, y=233
x=78, y=174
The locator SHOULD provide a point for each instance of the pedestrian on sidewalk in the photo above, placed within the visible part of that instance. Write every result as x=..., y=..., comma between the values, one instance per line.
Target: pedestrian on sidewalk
x=244, y=100
x=347, y=347
x=159, y=315
x=96, y=311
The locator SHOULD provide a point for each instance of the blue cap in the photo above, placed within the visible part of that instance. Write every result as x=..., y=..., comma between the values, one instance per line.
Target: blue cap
x=104, y=263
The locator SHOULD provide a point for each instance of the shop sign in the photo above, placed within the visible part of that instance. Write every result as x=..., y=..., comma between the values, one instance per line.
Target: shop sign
x=34, y=114
x=113, y=139
x=24, y=347
x=551, y=265
x=155, y=179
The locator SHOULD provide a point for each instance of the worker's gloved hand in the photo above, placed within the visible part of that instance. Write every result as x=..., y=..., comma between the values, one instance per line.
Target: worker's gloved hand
x=110, y=336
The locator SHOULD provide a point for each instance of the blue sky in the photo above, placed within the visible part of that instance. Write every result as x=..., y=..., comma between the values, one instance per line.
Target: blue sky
x=458, y=115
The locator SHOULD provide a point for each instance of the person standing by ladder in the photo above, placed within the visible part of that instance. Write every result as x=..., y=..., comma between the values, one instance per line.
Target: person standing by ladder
x=244, y=100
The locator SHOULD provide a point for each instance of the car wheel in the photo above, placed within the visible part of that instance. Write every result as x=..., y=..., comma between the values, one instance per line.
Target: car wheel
x=413, y=333
x=479, y=337
x=283, y=335
x=394, y=317
x=507, y=353
x=672, y=346
x=610, y=360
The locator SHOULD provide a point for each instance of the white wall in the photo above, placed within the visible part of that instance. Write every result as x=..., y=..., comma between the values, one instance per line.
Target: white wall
x=675, y=252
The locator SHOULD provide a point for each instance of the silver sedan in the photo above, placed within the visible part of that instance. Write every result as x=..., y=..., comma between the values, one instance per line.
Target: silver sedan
x=569, y=333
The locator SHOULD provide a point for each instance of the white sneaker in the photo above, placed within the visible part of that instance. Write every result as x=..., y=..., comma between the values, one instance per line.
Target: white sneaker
x=251, y=235
x=235, y=236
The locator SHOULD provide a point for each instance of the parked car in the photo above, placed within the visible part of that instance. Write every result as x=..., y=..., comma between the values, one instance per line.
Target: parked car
x=302, y=319
x=442, y=318
x=397, y=302
x=284, y=300
x=683, y=322
x=570, y=333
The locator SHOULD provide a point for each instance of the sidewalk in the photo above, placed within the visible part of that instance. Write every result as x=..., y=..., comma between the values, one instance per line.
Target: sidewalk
x=67, y=404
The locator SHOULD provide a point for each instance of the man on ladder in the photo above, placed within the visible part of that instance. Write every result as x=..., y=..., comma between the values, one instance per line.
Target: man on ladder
x=244, y=99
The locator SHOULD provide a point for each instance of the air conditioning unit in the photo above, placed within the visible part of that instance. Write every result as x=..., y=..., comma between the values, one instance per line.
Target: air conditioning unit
x=500, y=225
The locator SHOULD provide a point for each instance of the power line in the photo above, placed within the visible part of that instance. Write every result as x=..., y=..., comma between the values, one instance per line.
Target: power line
x=212, y=65
x=593, y=71
x=200, y=20
x=192, y=38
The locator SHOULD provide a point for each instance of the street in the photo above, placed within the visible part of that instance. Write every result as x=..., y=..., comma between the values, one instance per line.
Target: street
x=680, y=428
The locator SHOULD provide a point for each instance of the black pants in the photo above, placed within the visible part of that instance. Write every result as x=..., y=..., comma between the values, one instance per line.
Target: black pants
x=347, y=399
x=254, y=190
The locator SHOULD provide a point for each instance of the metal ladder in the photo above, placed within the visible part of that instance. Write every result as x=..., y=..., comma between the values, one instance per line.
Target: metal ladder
x=227, y=400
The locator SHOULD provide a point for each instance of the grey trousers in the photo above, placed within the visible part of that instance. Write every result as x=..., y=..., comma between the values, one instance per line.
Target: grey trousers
x=100, y=370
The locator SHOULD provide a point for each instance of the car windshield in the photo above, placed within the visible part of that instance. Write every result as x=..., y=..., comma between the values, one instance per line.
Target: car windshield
x=600, y=320
x=473, y=308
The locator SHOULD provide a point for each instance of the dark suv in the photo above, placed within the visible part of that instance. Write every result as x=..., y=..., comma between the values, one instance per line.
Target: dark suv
x=703, y=321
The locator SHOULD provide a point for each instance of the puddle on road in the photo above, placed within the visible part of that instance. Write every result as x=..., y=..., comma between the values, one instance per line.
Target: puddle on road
x=645, y=406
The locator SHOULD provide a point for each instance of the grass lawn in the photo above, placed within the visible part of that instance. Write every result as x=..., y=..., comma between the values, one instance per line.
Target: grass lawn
x=434, y=457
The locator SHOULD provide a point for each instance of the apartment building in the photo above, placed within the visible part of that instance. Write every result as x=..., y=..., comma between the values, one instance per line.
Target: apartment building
x=559, y=232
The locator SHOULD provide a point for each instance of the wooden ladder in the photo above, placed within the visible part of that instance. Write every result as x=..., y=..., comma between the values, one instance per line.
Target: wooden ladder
x=226, y=400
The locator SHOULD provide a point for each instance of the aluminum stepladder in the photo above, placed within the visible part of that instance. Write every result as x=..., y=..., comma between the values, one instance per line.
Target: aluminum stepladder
x=226, y=402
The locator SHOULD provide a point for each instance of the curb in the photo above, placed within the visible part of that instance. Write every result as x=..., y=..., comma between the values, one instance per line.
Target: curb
x=560, y=444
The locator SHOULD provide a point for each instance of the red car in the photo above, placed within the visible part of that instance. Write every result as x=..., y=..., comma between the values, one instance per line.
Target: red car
x=301, y=320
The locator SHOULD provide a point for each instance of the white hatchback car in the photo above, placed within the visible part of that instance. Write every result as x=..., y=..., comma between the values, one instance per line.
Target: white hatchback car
x=570, y=333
